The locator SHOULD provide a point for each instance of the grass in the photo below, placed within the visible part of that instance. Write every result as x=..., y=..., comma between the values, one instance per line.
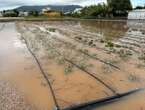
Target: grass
x=46, y=18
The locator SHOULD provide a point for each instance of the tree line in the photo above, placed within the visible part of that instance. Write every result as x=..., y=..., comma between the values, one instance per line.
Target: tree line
x=113, y=8
x=140, y=7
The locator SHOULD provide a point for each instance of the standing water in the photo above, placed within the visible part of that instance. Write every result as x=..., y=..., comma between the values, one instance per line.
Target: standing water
x=83, y=61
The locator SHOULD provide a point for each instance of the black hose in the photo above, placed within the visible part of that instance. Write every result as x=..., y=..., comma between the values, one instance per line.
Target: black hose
x=43, y=73
x=90, y=74
x=98, y=79
x=96, y=58
x=99, y=102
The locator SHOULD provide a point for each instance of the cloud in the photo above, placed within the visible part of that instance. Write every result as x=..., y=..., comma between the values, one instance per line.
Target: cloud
x=14, y=3
x=6, y=4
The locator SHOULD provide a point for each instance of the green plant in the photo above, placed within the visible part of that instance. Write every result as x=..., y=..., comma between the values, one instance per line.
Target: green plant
x=84, y=50
x=102, y=41
x=52, y=30
x=68, y=68
x=109, y=44
x=112, y=61
x=84, y=65
x=108, y=68
x=124, y=53
x=61, y=61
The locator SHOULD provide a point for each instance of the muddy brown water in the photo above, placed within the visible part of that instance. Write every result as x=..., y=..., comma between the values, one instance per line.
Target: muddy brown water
x=20, y=68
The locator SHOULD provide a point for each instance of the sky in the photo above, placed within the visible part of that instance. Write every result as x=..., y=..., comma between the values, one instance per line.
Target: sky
x=8, y=4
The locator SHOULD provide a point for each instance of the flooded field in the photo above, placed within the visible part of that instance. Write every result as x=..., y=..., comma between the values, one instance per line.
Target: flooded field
x=63, y=64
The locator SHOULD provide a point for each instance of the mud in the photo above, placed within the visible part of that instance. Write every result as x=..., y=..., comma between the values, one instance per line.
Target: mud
x=67, y=51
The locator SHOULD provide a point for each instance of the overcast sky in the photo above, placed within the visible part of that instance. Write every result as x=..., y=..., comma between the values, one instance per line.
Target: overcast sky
x=6, y=4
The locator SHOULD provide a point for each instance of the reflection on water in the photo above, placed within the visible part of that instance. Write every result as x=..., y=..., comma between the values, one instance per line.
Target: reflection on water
x=109, y=29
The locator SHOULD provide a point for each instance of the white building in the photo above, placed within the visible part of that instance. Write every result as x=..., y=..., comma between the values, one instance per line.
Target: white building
x=21, y=13
x=77, y=10
x=137, y=14
x=46, y=9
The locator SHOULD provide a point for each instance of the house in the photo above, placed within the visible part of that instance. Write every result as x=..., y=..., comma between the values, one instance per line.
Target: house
x=137, y=14
x=21, y=13
x=77, y=10
x=51, y=13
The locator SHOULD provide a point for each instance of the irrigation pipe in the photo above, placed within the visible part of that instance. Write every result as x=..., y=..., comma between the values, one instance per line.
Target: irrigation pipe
x=96, y=58
x=90, y=74
x=43, y=73
x=83, y=105
x=93, y=57
x=102, y=101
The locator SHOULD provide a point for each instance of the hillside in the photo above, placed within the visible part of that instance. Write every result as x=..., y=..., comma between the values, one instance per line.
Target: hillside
x=64, y=8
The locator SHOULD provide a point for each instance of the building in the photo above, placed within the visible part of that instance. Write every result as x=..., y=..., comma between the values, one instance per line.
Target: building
x=51, y=13
x=137, y=14
x=45, y=10
x=77, y=10
x=21, y=13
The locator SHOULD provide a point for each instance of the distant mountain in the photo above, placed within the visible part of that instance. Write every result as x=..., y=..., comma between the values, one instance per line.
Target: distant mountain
x=64, y=8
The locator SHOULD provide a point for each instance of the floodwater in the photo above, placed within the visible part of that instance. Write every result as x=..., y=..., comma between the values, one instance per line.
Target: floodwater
x=72, y=84
x=18, y=67
x=109, y=29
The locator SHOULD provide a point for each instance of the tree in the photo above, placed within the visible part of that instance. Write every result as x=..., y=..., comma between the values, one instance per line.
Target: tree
x=10, y=13
x=100, y=10
x=140, y=7
x=34, y=13
x=16, y=12
x=119, y=7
